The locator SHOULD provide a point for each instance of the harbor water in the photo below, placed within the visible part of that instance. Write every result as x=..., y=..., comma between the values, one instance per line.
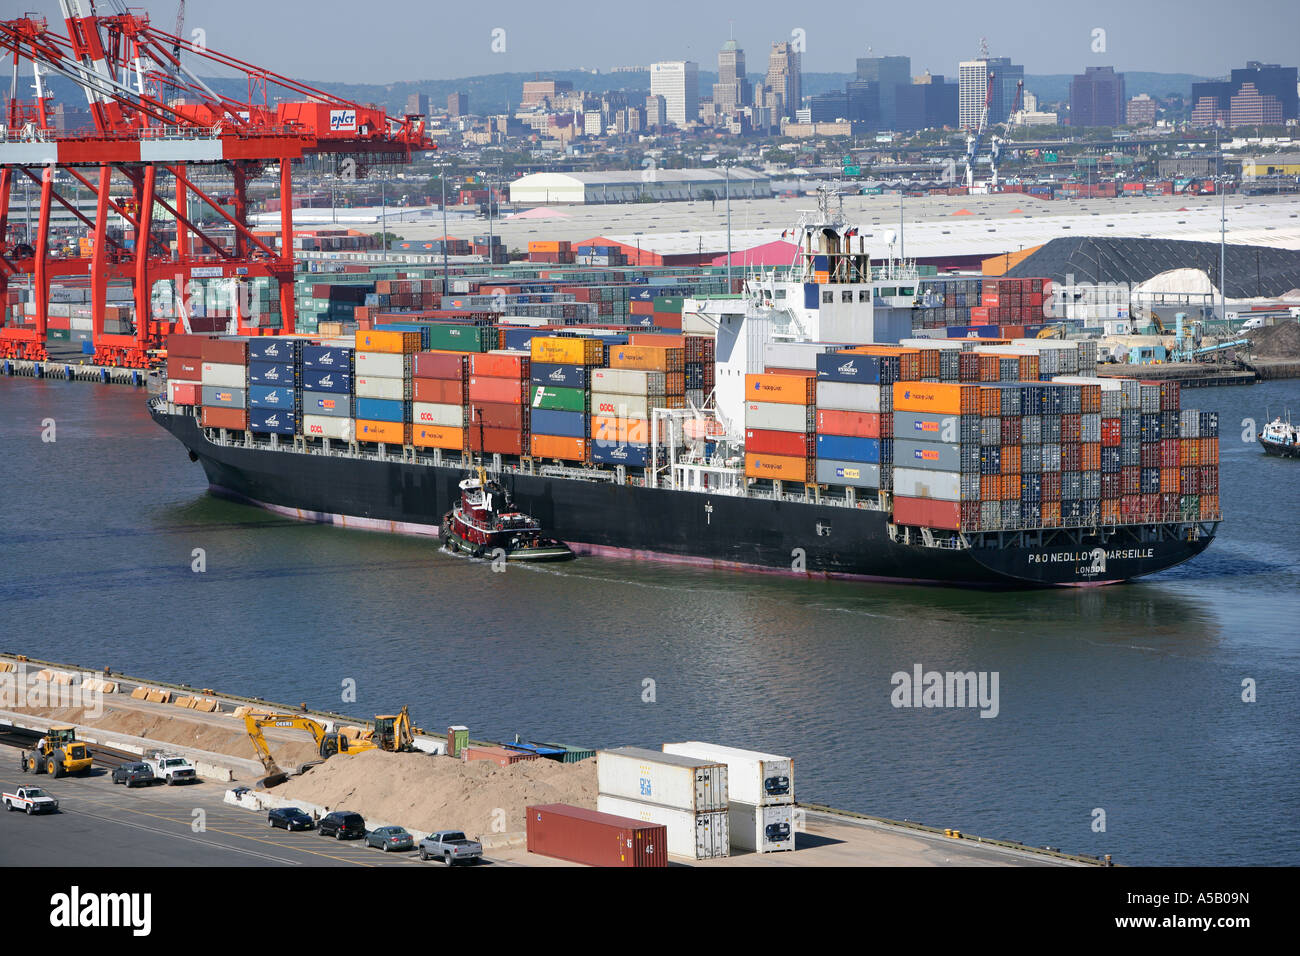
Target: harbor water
x=1169, y=704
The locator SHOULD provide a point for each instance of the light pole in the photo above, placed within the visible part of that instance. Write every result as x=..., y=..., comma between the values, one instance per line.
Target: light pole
x=383, y=214
x=727, y=176
x=1223, y=227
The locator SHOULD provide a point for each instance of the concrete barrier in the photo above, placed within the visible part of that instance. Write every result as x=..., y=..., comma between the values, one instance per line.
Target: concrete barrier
x=184, y=702
x=140, y=693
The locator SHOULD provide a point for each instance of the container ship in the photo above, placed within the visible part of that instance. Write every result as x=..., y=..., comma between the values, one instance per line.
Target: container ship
x=831, y=444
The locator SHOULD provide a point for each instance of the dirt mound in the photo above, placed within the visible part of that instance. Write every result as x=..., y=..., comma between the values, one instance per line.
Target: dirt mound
x=184, y=731
x=1276, y=341
x=443, y=793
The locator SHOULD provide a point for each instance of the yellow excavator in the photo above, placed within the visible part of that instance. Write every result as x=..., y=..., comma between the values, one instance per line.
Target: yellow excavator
x=392, y=733
x=59, y=753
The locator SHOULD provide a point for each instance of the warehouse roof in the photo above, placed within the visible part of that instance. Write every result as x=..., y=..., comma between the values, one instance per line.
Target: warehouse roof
x=629, y=177
x=1251, y=270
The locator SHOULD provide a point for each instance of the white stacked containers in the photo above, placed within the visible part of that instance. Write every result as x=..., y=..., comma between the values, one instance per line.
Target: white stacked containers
x=687, y=796
x=760, y=789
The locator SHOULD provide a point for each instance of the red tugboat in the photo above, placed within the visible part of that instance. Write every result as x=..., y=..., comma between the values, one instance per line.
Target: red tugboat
x=485, y=521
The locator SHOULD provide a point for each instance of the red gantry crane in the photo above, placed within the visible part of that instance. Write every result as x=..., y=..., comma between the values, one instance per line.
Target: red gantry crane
x=157, y=128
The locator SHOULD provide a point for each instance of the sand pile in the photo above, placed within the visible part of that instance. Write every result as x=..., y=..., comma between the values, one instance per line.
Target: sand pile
x=443, y=793
x=1276, y=341
x=185, y=731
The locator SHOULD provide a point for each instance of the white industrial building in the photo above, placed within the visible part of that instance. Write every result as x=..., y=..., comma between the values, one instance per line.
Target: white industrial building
x=620, y=186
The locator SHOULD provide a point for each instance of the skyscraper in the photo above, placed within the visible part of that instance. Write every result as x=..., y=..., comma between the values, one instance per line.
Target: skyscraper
x=784, y=77
x=678, y=82
x=1097, y=98
x=732, y=89
x=928, y=102
x=890, y=72
x=973, y=77
x=458, y=104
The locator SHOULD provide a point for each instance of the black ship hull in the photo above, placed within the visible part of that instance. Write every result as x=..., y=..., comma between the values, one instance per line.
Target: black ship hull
x=712, y=530
x=1279, y=449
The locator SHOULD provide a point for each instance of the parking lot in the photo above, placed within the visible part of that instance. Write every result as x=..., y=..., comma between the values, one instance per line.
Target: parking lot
x=100, y=824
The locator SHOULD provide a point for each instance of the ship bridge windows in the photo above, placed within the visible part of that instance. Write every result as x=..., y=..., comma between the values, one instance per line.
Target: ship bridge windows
x=846, y=296
x=780, y=293
x=828, y=296
x=864, y=295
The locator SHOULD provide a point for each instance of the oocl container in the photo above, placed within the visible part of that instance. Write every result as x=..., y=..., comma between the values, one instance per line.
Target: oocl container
x=696, y=836
x=663, y=779
x=753, y=777
x=594, y=838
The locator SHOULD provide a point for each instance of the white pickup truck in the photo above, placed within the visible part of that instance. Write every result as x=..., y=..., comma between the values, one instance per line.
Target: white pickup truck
x=171, y=768
x=30, y=799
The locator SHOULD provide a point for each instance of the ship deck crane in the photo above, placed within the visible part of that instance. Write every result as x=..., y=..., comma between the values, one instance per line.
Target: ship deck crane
x=155, y=122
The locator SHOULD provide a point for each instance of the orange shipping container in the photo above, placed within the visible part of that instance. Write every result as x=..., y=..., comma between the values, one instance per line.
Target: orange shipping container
x=991, y=487
x=779, y=467
x=935, y=397
x=391, y=433
x=852, y=424
x=233, y=418
x=568, y=351
x=1010, y=487
x=504, y=391
x=439, y=391
x=652, y=358
x=498, y=364
x=565, y=449
x=786, y=389
x=404, y=343
x=544, y=245
x=432, y=436
x=605, y=428
x=656, y=338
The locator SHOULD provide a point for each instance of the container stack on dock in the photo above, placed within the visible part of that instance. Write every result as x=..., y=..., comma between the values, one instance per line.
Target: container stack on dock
x=760, y=794
x=621, y=424
x=224, y=377
x=780, y=423
x=686, y=795
x=439, y=410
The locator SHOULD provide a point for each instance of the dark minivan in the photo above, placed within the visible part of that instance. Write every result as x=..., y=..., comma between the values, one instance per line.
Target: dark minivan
x=133, y=774
x=342, y=825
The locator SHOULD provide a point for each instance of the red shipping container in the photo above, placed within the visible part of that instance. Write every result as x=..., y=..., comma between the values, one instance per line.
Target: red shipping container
x=927, y=513
x=442, y=391
x=498, y=441
x=188, y=345
x=760, y=441
x=594, y=838
x=190, y=393
x=225, y=351
x=504, y=390
x=850, y=424
x=498, y=755
x=232, y=418
x=184, y=368
x=497, y=415
x=497, y=365
x=438, y=365
x=641, y=307
x=668, y=320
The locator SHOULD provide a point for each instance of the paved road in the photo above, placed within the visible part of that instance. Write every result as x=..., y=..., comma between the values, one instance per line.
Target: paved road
x=105, y=825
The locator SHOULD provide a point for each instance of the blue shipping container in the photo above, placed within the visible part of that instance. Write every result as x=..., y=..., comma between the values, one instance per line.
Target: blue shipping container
x=563, y=424
x=270, y=373
x=278, y=421
x=320, y=380
x=841, y=367
x=612, y=453
x=559, y=376
x=327, y=357
x=842, y=448
x=271, y=349
x=273, y=396
x=383, y=410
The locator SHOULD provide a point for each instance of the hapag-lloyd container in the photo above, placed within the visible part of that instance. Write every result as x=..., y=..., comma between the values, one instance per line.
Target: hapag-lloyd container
x=594, y=838
x=753, y=777
x=671, y=781
x=761, y=829
x=697, y=836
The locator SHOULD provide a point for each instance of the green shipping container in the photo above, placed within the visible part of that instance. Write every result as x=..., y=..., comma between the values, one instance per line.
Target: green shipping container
x=462, y=338
x=560, y=399
x=669, y=303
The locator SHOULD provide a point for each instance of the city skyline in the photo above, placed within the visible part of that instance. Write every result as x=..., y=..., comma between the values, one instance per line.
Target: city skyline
x=1053, y=41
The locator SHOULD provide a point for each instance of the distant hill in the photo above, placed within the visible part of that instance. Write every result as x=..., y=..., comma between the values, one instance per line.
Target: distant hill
x=1055, y=87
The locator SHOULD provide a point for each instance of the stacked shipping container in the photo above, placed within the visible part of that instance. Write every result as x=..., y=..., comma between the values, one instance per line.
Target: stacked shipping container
x=687, y=796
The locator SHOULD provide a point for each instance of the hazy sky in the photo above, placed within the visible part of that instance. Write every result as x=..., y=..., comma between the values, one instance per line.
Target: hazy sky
x=378, y=41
